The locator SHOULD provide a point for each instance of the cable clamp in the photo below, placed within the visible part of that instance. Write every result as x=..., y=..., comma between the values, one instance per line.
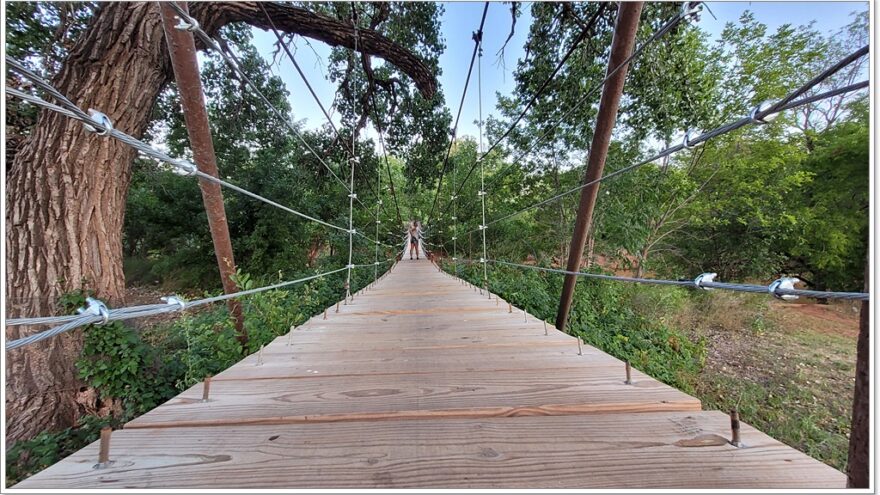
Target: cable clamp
x=484, y=227
x=783, y=283
x=172, y=300
x=95, y=308
x=761, y=108
x=101, y=119
x=454, y=258
x=379, y=202
x=691, y=10
x=453, y=197
x=482, y=260
x=455, y=218
x=481, y=193
x=350, y=266
x=705, y=277
x=377, y=262
x=353, y=196
x=188, y=25
x=183, y=167
x=355, y=159
x=378, y=221
x=377, y=243
x=352, y=231
x=687, y=141
x=454, y=238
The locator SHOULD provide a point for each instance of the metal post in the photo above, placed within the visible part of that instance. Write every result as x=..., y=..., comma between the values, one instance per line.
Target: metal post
x=621, y=47
x=206, y=389
x=182, y=49
x=858, y=462
x=735, y=438
x=104, y=448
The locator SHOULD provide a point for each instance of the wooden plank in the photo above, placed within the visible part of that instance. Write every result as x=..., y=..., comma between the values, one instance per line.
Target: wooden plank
x=293, y=361
x=604, y=451
x=406, y=396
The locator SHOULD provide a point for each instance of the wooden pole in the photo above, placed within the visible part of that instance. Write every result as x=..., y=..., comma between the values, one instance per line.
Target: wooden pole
x=182, y=49
x=858, y=464
x=621, y=48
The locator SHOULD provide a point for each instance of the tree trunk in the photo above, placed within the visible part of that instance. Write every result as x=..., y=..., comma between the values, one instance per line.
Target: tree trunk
x=587, y=261
x=640, y=265
x=858, y=467
x=65, y=203
x=67, y=188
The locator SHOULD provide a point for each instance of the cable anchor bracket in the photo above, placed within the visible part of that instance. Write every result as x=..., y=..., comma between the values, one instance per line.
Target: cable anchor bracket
x=95, y=307
x=705, y=277
x=783, y=283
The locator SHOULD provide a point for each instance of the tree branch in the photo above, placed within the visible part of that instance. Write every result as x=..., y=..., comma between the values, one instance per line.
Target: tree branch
x=303, y=22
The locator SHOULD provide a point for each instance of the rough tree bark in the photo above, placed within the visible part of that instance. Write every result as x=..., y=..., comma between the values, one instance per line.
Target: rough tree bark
x=67, y=188
x=858, y=468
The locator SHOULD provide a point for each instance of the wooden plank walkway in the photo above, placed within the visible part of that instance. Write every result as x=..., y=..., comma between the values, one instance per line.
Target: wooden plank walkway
x=423, y=382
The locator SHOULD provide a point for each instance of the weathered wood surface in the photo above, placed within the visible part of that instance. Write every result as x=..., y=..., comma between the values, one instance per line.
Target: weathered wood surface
x=598, y=451
x=422, y=382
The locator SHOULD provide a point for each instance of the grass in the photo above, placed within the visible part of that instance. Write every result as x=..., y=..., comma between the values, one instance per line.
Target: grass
x=790, y=378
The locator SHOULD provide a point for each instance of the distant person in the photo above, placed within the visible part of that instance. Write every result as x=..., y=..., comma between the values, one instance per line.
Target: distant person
x=415, y=234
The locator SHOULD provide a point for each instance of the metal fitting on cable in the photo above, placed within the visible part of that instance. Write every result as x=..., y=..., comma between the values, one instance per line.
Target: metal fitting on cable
x=783, y=283
x=96, y=308
x=353, y=196
x=705, y=277
x=379, y=202
x=454, y=258
x=183, y=167
x=455, y=218
x=349, y=266
x=186, y=25
x=352, y=231
x=378, y=221
x=483, y=227
x=453, y=197
x=761, y=108
x=454, y=238
x=686, y=142
x=691, y=10
x=481, y=193
x=482, y=260
x=355, y=159
x=174, y=300
x=101, y=119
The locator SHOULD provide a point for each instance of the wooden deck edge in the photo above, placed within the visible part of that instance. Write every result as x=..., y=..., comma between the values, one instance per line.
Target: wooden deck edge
x=469, y=413
x=219, y=378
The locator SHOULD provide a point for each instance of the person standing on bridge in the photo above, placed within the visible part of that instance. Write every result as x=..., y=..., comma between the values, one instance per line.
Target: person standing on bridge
x=415, y=236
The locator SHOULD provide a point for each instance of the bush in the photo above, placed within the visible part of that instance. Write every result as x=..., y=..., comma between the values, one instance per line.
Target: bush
x=29, y=457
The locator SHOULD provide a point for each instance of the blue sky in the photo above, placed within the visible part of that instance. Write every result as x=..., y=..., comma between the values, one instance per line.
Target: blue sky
x=460, y=19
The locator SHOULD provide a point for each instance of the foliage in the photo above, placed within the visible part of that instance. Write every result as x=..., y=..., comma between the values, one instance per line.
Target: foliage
x=31, y=456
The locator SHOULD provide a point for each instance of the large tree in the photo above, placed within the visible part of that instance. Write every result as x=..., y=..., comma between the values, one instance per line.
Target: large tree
x=67, y=188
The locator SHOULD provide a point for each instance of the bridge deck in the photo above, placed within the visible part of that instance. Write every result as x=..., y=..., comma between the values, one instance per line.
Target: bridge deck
x=423, y=382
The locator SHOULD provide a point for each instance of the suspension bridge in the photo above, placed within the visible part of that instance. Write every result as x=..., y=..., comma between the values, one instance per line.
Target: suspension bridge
x=422, y=379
